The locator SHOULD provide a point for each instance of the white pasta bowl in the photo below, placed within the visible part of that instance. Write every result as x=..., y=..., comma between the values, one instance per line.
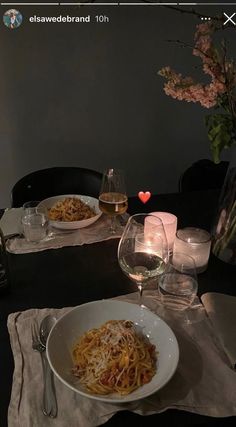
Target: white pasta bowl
x=70, y=327
x=70, y=225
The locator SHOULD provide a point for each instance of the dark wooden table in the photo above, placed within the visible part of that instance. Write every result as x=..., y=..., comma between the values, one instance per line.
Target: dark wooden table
x=75, y=275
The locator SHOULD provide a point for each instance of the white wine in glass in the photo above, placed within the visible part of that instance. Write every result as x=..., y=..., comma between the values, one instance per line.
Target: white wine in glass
x=113, y=203
x=113, y=200
x=143, y=249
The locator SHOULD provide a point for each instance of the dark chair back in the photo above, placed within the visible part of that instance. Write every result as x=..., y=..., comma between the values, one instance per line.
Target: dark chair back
x=54, y=181
x=203, y=175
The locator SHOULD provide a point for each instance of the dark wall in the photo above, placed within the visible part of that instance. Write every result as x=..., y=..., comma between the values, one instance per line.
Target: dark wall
x=88, y=95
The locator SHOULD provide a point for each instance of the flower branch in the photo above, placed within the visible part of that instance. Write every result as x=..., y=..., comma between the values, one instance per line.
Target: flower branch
x=218, y=94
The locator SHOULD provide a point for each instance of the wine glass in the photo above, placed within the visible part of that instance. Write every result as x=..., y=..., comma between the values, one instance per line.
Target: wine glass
x=143, y=250
x=178, y=285
x=113, y=200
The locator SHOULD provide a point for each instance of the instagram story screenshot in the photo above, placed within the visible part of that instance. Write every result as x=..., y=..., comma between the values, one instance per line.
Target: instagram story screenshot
x=93, y=85
x=117, y=198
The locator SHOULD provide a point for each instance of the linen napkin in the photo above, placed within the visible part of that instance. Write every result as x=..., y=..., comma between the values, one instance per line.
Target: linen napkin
x=203, y=375
x=221, y=310
x=56, y=238
x=10, y=222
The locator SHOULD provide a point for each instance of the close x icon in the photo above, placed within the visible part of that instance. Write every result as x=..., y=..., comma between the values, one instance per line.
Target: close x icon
x=229, y=19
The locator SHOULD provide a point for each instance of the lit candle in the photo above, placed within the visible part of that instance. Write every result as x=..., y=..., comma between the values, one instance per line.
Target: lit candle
x=170, y=225
x=149, y=244
x=196, y=243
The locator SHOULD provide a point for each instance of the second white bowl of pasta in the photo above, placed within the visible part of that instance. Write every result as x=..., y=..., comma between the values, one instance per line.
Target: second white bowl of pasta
x=71, y=211
x=112, y=351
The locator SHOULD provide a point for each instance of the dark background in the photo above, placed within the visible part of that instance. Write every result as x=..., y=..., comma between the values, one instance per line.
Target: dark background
x=88, y=94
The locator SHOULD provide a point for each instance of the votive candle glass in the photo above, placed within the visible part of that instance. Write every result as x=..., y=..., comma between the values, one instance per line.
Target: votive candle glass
x=170, y=225
x=196, y=243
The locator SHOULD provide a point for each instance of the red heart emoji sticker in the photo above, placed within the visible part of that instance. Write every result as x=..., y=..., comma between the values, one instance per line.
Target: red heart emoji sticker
x=144, y=197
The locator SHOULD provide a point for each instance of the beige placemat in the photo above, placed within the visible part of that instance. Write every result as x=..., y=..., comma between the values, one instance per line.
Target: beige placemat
x=96, y=232
x=204, y=382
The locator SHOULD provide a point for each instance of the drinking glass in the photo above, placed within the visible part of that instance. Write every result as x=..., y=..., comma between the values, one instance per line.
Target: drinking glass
x=31, y=206
x=143, y=250
x=34, y=221
x=178, y=285
x=113, y=199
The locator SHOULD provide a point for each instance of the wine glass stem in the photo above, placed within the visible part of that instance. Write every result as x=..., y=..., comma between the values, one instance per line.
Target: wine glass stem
x=113, y=225
x=140, y=288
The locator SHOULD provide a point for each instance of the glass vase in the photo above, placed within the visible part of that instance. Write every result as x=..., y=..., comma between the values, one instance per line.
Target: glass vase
x=224, y=231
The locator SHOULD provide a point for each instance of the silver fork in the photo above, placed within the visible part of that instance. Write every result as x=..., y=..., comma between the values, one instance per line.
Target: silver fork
x=49, y=399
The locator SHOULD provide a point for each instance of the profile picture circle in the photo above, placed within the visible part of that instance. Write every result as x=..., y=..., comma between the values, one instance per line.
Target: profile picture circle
x=12, y=18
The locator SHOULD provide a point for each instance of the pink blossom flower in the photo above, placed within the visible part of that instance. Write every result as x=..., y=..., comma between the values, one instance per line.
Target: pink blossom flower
x=219, y=92
x=220, y=72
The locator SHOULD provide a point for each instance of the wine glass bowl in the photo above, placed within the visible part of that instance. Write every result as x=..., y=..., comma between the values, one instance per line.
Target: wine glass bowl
x=143, y=251
x=113, y=203
x=113, y=200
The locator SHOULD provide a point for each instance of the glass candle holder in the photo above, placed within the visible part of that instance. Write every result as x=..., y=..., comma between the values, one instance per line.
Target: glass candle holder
x=196, y=243
x=170, y=225
x=149, y=244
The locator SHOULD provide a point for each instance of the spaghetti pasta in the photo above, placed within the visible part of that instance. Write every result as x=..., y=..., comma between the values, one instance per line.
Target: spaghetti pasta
x=114, y=358
x=70, y=209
